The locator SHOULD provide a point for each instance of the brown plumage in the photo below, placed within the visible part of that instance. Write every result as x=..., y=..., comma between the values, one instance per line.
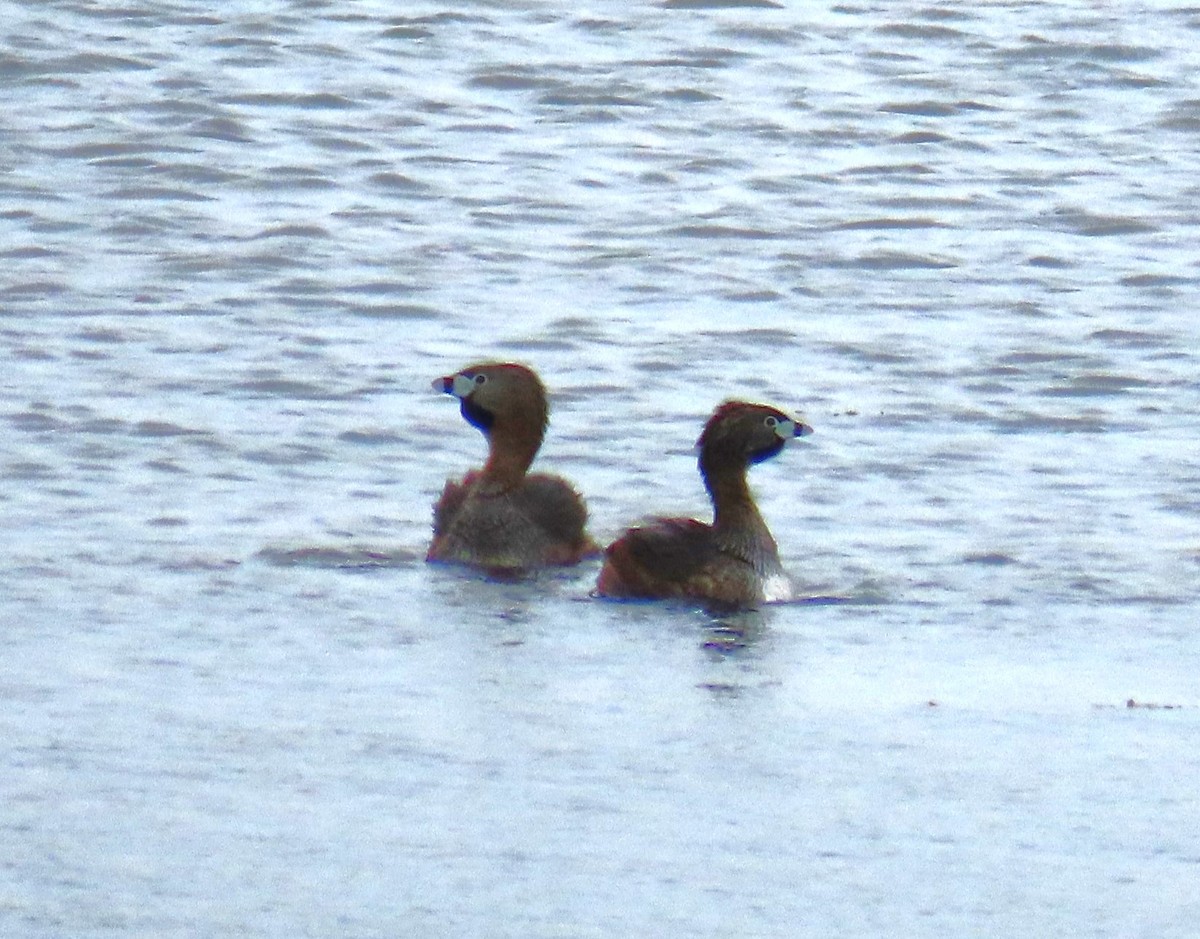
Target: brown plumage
x=733, y=562
x=502, y=518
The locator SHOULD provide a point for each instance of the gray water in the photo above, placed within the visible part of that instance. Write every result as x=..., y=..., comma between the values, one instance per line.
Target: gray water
x=240, y=239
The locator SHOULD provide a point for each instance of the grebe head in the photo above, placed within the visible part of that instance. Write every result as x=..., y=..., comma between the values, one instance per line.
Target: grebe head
x=740, y=432
x=492, y=393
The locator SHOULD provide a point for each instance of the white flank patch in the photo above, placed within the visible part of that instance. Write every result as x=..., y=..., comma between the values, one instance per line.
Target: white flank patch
x=777, y=588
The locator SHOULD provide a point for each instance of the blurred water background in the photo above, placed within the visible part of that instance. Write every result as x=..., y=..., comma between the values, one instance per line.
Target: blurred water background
x=238, y=240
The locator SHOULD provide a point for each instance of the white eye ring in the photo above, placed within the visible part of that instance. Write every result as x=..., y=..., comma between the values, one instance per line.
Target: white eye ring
x=771, y=421
x=480, y=379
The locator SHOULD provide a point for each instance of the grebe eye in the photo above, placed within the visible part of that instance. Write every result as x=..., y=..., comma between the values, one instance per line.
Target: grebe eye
x=771, y=422
x=480, y=379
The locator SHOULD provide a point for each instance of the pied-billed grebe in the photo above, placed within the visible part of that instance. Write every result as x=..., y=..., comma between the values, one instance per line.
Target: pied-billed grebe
x=732, y=562
x=502, y=518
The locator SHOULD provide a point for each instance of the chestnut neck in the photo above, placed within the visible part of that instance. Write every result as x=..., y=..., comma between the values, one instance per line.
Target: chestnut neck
x=512, y=445
x=737, y=524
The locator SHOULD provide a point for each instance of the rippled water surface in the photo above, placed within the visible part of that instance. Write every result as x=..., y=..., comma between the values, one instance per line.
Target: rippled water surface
x=238, y=240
